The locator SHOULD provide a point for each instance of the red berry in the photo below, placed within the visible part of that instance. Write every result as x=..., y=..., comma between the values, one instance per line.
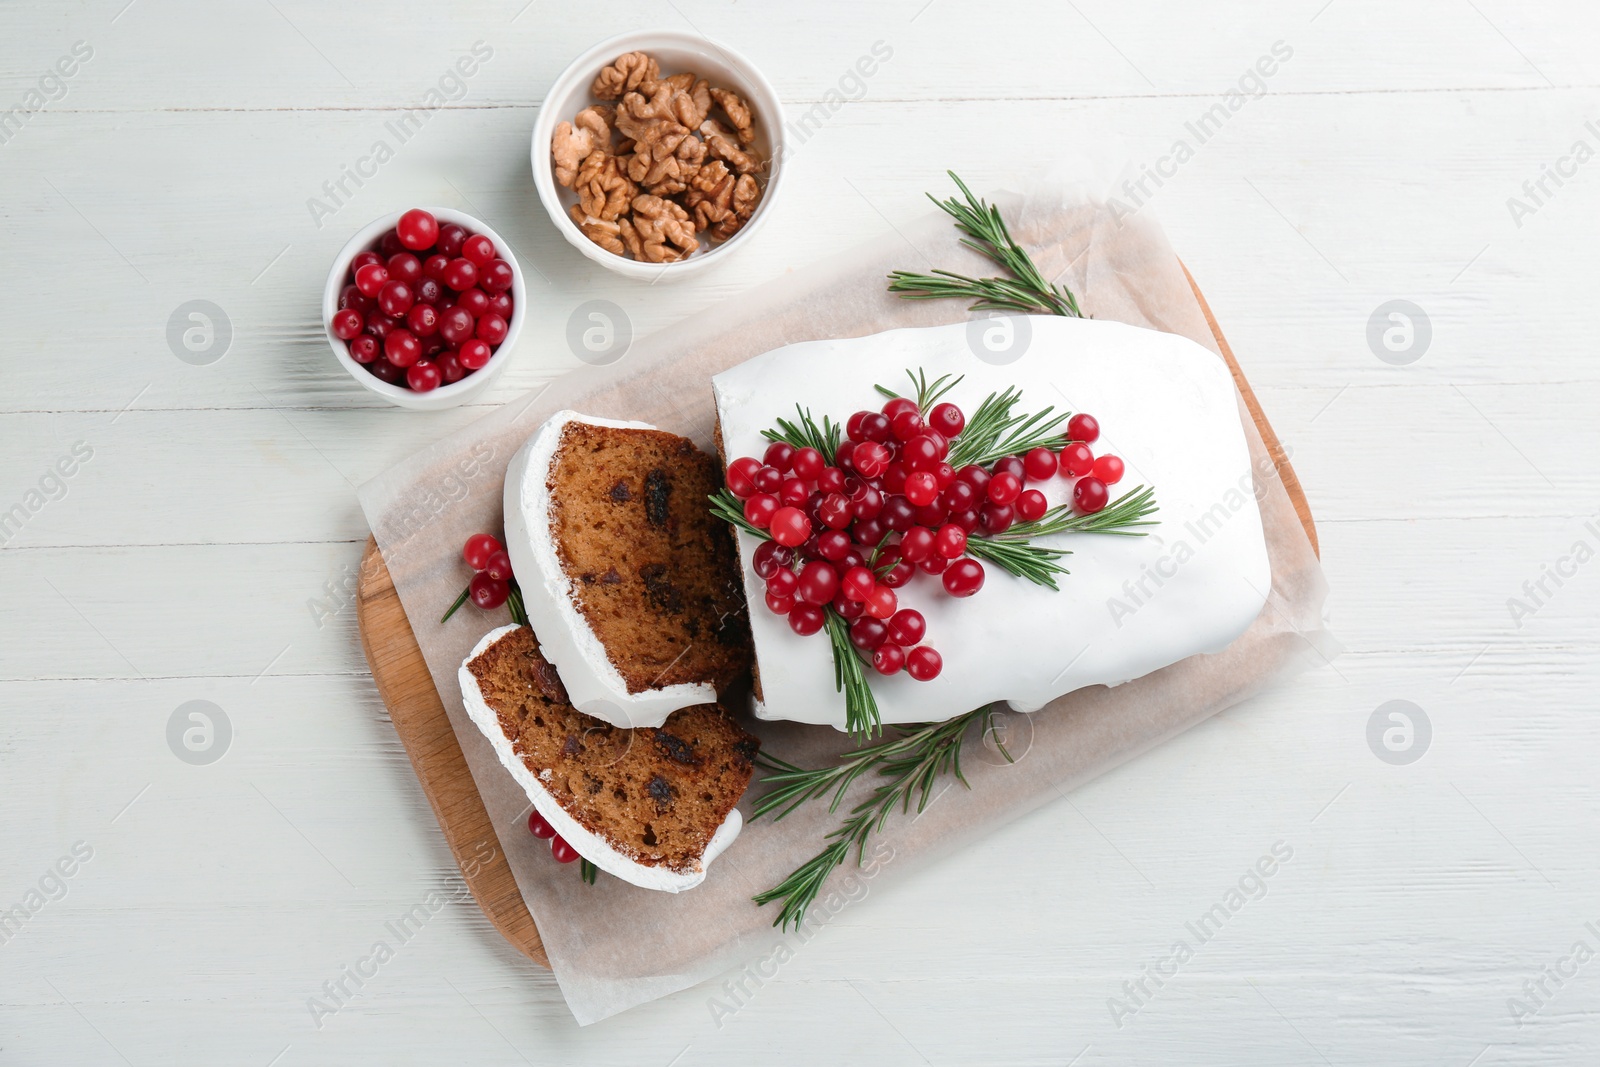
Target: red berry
x=806, y=619
x=779, y=604
x=869, y=532
x=1077, y=459
x=739, y=477
x=934, y=564
x=907, y=627
x=362, y=259
x=858, y=583
x=921, y=488
x=429, y=291
x=759, y=510
x=451, y=238
x=932, y=515
x=450, y=368
x=351, y=297
x=486, y=592
x=424, y=376
x=1109, y=469
x=767, y=479
x=770, y=557
x=894, y=478
x=499, y=303
x=881, y=604
x=389, y=244
x=474, y=355
x=916, y=545
x=478, y=549
x=385, y=371
x=833, y=545
x=819, y=582
x=871, y=459
x=435, y=266
x=793, y=492
x=964, y=577
x=405, y=267
x=807, y=463
x=831, y=480
x=1011, y=465
x=1031, y=505
x=370, y=278
x=947, y=419
x=423, y=320
x=402, y=348
x=478, y=248
x=563, y=852
x=898, y=404
x=364, y=349
x=496, y=277
x=898, y=514
x=899, y=571
x=905, y=425
x=498, y=565
x=1040, y=464
x=1004, y=487
x=951, y=541
x=474, y=300
x=789, y=525
x=396, y=298
x=974, y=476
x=996, y=518
x=1083, y=428
x=348, y=324
x=960, y=495
x=889, y=659
x=455, y=325
x=867, y=633
x=923, y=663
x=417, y=229
x=836, y=511
x=921, y=453
x=380, y=325
x=846, y=609
x=461, y=274
x=783, y=582
x=944, y=475
x=968, y=519
x=779, y=456
x=1090, y=495
x=539, y=827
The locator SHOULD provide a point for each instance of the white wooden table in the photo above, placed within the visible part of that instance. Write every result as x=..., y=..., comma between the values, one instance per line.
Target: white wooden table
x=204, y=544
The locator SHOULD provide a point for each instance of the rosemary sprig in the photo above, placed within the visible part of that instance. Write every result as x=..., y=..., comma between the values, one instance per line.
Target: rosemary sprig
x=1013, y=551
x=587, y=870
x=460, y=600
x=908, y=765
x=1025, y=560
x=1026, y=291
x=860, y=706
x=726, y=506
x=807, y=434
x=927, y=395
x=519, y=615
x=995, y=432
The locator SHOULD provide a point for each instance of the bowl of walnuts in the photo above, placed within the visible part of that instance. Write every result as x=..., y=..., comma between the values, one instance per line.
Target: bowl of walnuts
x=657, y=153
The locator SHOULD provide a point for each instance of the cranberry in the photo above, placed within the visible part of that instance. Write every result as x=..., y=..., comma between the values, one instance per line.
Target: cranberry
x=461, y=274
x=435, y=266
x=1077, y=460
x=819, y=583
x=941, y=445
x=807, y=463
x=944, y=475
x=905, y=425
x=866, y=501
x=429, y=291
x=916, y=545
x=424, y=376
x=951, y=541
x=806, y=619
x=898, y=514
x=858, y=583
x=348, y=324
x=923, y=663
x=889, y=659
x=1004, y=487
x=362, y=259
x=960, y=495
x=876, y=427
x=833, y=545
x=539, y=827
x=846, y=608
x=921, y=453
x=779, y=456
x=474, y=355
x=789, y=524
x=934, y=564
x=402, y=348
x=498, y=565
x=500, y=304
x=1083, y=428
x=869, y=532
x=478, y=549
x=770, y=557
x=351, y=297
x=931, y=515
x=405, y=267
x=385, y=371
x=871, y=459
x=760, y=508
x=1090, y=495
x=844, y=457
x=793, y=492
x=881, y=603
x=964, y=577
x=451, y=238
x=450, y=367
x=423, y=320
x=432, y=346
x=778, y=604
x=968, y=519
x=496, y=277
x=947, y=419
x=389, y=244
x=486, y=592
x=455, y=325
x=897, y=405
x=896, y=571
x=783, y=582
x=921, y=488
x=1031, y=505
x=474, y=300
x=478, y=248
x=396, y=298
x=974, y=476
x=996, y=518
x=1011, y=465
x=1109, y=469
x=867, y=633
x=855, y=426
x=1040, y=464
x=739, y=477
x=836, y=511
x=364, y=349
x=417, y=229
x=831, y=480
x=907, y=627
x=894, y=478
x=370, y=278
x=767, y=479
x=563, y=852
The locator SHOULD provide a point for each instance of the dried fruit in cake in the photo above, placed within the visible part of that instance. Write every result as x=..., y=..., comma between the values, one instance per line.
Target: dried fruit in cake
x=652, y=806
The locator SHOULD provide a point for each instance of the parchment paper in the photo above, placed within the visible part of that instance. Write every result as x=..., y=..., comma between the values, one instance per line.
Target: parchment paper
x=613, y=946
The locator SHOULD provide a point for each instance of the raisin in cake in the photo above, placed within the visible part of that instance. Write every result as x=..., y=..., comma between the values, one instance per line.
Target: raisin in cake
x=652, y=806
x=630, y=584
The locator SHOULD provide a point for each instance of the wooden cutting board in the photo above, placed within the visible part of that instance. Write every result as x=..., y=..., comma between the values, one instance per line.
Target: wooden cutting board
x=424, y=728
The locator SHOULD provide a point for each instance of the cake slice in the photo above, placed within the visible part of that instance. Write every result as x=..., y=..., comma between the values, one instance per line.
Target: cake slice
x=630, y=584
x=652, y=806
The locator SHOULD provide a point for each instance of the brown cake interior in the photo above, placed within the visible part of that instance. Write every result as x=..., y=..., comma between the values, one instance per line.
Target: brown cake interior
x=653, y=574
x=656, y=795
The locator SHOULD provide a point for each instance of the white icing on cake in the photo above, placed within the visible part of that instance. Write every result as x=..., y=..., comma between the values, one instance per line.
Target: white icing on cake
x=589, y=845
x=566, y=639
x=1130, y=605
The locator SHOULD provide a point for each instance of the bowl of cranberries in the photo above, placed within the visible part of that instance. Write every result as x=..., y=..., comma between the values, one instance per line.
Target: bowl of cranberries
x=423, y=306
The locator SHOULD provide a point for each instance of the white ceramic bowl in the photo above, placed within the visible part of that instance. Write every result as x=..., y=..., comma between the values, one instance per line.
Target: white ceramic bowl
x=676, y=52
x=445, y=396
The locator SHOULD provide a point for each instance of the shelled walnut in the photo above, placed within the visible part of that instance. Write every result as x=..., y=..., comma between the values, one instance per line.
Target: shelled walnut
x=661, y=160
